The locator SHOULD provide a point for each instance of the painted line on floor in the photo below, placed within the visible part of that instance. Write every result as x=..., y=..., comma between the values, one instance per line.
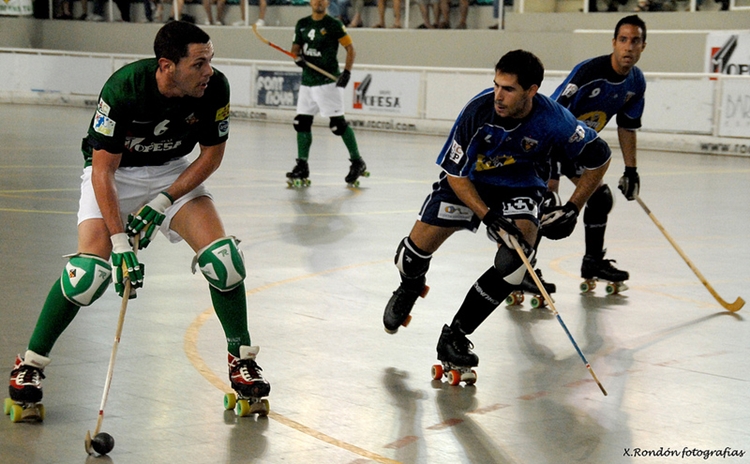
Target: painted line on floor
x=190, y=347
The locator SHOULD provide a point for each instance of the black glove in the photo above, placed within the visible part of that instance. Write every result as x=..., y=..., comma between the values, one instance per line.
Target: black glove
x=343, y=78
x=496, y=223
x=300, y=61
x=559, y=222
x=630, y=183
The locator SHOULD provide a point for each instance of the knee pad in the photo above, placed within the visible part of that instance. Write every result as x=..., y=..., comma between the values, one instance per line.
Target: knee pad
x=410, y=260
x=338, y=125
x=510, y=266
x=85, y=278
x=221, y=263
x=599, y=206
x=303, y=123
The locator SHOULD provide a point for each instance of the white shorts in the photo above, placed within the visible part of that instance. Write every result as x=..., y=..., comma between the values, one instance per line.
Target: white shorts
x=328, y=100
x=136, y=186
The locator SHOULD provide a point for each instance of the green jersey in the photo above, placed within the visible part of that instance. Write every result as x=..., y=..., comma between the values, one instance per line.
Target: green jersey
x=133, y=118
x=320, y=45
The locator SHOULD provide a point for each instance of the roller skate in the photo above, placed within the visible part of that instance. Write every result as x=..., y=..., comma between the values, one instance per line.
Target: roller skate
x=299, y=175
x=248, y=383
x=397, y=310
x=457, y=359
x=528, y=285
x=594, y=268
x=24, y=404
x=358, y=168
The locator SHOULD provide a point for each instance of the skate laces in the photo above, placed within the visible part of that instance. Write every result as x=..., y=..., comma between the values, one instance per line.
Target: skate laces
x=28, y=375
x=248, y=369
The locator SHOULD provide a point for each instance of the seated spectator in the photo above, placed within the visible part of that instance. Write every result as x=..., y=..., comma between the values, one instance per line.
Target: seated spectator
x=220, y=4
x=396, y=13
x=424, y=8
x=463, y=11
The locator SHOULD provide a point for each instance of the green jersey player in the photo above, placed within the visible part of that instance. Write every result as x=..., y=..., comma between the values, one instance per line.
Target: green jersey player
x=150, y=115
x=316, y=40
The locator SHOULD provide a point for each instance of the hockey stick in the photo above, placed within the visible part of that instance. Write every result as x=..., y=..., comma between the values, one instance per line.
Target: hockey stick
x=733, y=307
x=104, y=448
x=546, y=296
x=293, y=56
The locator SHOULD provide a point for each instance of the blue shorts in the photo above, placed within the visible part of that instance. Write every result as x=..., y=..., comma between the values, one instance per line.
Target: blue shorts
x=442, y=207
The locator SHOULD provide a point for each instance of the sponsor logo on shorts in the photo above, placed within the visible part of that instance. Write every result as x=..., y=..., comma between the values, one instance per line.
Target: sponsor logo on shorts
x=520, y=206
x=103, y=125
x=451, y=212
x=222, y=113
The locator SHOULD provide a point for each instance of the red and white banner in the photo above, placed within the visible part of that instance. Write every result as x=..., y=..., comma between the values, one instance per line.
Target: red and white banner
x=383, y=93
x=728, y=52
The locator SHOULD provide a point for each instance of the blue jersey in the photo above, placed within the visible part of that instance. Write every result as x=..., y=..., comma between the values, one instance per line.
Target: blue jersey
x=515, y=153
x=594, y=93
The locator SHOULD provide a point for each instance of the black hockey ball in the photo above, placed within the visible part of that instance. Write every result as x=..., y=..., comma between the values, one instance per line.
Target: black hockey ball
x=103, y=443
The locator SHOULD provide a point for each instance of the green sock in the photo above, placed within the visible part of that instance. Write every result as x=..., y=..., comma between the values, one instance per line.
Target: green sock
x=56, y=315
x=351, y=143
x=231, y=308
x=304, y=141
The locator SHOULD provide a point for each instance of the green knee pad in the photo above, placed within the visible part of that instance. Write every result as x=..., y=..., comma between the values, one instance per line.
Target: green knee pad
x=221, y=263
x=85, y=278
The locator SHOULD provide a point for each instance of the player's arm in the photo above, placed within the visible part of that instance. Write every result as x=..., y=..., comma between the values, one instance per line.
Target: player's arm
x=465, y=190
x=343, y=79
x=207, y=162
x=627, y=138
x=587, y=184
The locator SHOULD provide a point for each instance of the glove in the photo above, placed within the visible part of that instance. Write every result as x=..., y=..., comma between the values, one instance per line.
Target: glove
x=630, y=183
x=550, y=200
x=300, y=61
x=149, y=218
x=343, y=78
x=499, y=228
x=125, y=263
x=559, y=221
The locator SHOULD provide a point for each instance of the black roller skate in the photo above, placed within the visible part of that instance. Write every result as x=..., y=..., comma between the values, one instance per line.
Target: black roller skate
x=248, y=383
x=299, y=175
x=528, y=285
x=454, y=352
x=397, y=310
x=358, y=168
x=594, y=268
x=25, y=389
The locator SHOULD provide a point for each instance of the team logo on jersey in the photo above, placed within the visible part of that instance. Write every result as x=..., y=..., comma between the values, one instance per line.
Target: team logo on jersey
x=570, y=90
x=628, y=96
x=190, y=120
x=594, y=119
x=578, y=135
x=529, y=144
x=456, y=153
x=595, y=93
x=222, y=113
x=103, y=107
x=103, y=125
x=485, y=163
x=223, y=128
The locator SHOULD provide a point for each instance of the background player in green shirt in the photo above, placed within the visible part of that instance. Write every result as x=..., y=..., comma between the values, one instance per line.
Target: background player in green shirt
x=151, y=114
x=316, y=40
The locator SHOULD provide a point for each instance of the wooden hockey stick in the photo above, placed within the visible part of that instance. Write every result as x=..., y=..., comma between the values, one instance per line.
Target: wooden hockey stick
x=293, y=56
x=733, y=307
x=127, y=294
x=548, y=298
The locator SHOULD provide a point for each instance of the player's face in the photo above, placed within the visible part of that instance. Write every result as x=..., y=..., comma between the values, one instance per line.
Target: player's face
x=511, y=100
x=319, y=6
x=192, y=73
x=627, y=48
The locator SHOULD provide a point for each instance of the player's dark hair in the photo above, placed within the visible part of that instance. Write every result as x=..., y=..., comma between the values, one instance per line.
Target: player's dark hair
x=173, y=39
x=633, y=20
x=524, y=65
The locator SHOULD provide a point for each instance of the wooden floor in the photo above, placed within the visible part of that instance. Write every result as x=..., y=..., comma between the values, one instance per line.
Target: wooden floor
x=675, y=363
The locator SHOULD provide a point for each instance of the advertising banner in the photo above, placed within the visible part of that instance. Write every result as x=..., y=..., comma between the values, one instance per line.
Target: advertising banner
x=278, y=89
x=728, y=52
x=16, y=8
x=383, y=93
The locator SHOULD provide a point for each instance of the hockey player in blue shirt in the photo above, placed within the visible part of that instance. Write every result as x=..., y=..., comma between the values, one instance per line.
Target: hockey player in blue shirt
x=595, y=91
x=496, y=165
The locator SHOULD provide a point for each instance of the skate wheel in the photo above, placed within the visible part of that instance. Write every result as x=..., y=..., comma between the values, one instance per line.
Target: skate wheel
x=230, y=401
x=437, y=371
x=16, y=413
x=454, y=377
x=261, y=408
x=406, y=321
x=425, y=291
x=537, y=302
x=41, y=411
x=470, y=377
x=242, y=408
x=354, y=184
x=7, y=404
x=587, y=286
x=611, y=289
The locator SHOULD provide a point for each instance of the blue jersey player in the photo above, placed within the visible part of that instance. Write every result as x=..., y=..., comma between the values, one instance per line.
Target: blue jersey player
x=595, y=91
x=496, y=165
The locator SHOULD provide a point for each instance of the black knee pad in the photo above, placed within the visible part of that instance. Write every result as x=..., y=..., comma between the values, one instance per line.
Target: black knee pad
x=338, y=125
x=599, y=206
x=303, y=123
x=410, y=260
x=510, y=266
